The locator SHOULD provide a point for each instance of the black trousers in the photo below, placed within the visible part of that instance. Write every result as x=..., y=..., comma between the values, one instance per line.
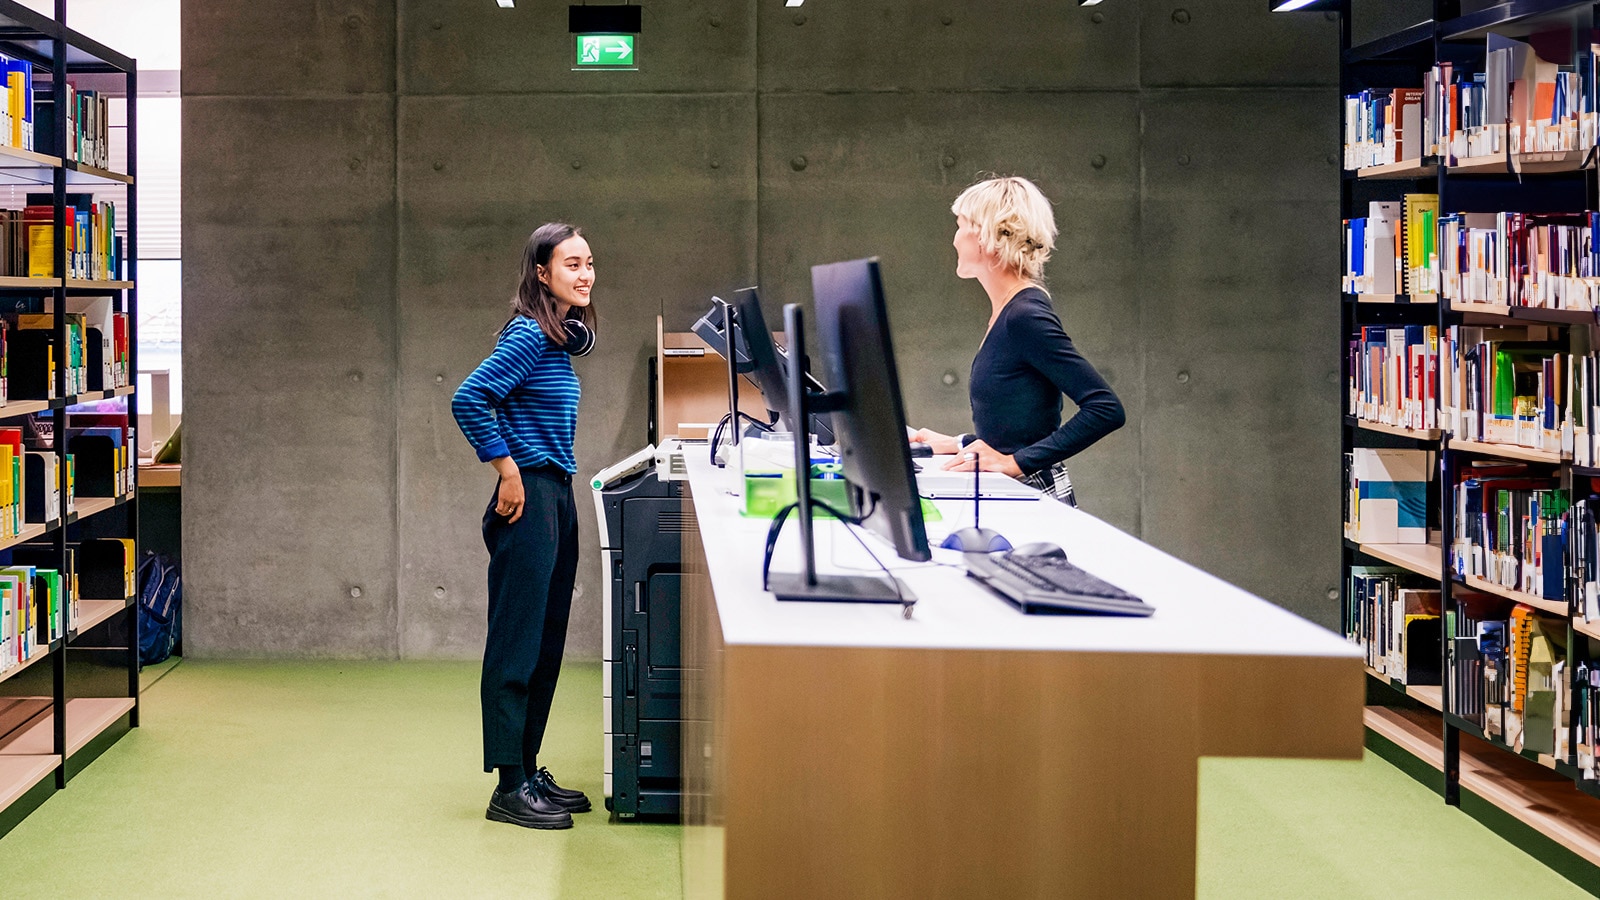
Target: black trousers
x=532, y=564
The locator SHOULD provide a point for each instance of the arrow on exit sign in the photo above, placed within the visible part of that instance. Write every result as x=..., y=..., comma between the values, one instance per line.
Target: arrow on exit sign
x=602, y=50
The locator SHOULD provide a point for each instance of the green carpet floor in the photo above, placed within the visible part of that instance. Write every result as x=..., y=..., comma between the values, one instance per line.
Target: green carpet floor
x=324, y=779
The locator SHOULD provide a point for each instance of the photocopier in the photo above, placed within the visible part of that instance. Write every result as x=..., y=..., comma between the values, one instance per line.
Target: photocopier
x=639, y=504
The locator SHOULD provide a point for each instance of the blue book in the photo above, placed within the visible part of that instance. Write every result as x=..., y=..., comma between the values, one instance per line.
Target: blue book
x=1358, y=247
x=26, y=68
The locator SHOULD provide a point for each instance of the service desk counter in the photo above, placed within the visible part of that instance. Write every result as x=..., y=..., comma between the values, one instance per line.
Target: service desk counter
x=842, y=750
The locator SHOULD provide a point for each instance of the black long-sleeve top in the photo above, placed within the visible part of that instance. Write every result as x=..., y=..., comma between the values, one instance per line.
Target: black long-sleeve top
x=1024, y=366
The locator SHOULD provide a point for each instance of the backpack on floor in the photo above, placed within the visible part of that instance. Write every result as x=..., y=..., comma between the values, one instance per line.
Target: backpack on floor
x=160, y=608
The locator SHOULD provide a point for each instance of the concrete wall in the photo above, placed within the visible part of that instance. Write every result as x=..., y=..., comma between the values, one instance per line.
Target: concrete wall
x=360, y=175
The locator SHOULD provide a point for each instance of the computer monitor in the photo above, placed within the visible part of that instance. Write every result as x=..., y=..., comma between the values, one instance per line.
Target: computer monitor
x=762, y=361
x=869, y=422
x=869, y=418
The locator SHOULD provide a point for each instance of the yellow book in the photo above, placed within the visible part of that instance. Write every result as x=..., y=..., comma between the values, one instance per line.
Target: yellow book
x=41, y=251
x=19, y=93
x=7, y=492
x=1421, y=212
x=130, y=566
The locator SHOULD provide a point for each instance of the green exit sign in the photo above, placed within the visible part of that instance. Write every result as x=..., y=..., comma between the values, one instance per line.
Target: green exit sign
x=606, y=51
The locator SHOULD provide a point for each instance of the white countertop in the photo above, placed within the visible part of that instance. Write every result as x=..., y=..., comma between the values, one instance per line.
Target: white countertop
x=1195, y=612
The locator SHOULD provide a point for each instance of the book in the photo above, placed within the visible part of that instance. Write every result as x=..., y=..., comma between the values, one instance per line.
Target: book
x=1520, y=102
x=1387, y=496
x=1373, y=259
x=1419, y=230
x=93, y=250
x=1393, y=373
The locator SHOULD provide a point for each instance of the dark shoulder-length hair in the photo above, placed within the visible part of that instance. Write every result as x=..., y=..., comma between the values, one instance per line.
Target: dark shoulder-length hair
x=533, y=298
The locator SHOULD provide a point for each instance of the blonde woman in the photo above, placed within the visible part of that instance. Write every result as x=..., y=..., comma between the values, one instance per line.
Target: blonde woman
x=1005, y=231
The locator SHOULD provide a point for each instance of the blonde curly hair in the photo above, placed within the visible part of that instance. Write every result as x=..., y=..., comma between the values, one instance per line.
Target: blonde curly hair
x=1014, y=222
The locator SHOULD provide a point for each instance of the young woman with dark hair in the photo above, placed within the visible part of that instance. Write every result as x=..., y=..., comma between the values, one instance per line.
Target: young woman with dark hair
x=519, y=410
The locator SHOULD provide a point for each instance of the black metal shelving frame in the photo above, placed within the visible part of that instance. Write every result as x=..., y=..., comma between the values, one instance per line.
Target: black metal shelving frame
x=100, y=661
x=1399, y=60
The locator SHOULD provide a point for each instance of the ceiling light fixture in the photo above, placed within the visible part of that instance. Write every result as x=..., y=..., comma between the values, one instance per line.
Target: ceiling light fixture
x=1088, y=2
x=793, y=2
x=1292, y=5
x=506, y=4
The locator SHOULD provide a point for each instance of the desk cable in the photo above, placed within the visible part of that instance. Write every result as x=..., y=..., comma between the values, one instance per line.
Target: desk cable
x=716, y=436
x=776, y=528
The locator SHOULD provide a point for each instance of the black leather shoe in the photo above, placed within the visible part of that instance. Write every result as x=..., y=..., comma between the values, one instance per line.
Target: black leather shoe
x=571, y=801
x=527, y=807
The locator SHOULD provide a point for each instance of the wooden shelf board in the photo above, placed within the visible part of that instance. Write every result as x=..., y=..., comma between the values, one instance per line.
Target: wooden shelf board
x=11, y=157
x=88, y=506
x=99, y=285
x=92, y=506
x=1554, y=316
x=1531, y=163
x=95, y=396
x=18, y=775
x=96, y=173
x=1508, y=451
x=1423, y=559
x=1591, y=629
x=1541, y=799
x=93, y=612
x=1554, y=607
x=1398, y=299
x=30, y=531
x=1402, y=728
x=1428, y=434
x=43, y=284
x=87, y=717
x=38, y=654
x=1431, y=695
x=23, y=408
x=163, y=475
x=1551, y=805
x=1481, y=309
x=1411, y=168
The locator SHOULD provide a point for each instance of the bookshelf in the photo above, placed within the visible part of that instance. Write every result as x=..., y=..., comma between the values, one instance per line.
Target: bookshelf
x=1417, y=725
x=77, y=694
x=1466, y=747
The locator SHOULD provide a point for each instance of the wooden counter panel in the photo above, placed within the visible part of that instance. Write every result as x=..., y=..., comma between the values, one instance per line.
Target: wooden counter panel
x=927, y=773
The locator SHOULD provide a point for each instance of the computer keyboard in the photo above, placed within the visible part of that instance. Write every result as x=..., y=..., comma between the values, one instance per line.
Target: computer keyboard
x=1040, y=584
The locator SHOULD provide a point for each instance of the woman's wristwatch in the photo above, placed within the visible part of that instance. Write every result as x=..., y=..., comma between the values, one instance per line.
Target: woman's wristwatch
x=964, y=438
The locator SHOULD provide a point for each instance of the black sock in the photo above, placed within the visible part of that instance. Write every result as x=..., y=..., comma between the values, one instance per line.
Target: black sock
x=511, y=778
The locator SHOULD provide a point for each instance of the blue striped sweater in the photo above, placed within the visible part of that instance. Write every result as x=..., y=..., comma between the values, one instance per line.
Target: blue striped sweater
x=522, y=401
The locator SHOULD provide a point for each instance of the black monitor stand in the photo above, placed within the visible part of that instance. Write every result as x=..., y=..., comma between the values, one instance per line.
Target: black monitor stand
x=807, y=584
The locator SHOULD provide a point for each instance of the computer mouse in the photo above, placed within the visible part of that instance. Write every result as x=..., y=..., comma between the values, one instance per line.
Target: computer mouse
x=975, y=540
x=920, y=450
x=1040, y=548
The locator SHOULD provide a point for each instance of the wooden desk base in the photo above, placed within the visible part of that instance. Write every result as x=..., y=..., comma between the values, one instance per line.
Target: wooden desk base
x=834, y=772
